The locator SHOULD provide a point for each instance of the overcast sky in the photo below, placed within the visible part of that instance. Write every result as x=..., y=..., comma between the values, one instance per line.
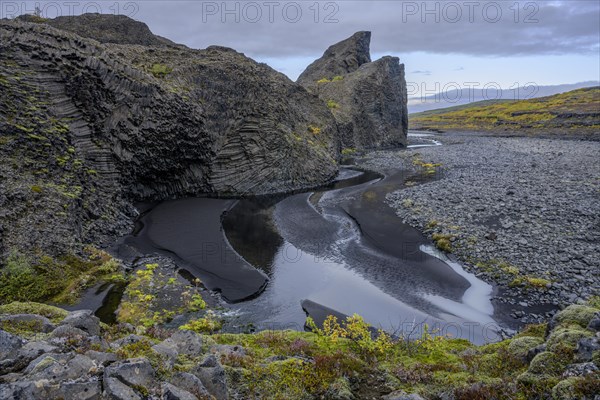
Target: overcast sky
x=440, y=42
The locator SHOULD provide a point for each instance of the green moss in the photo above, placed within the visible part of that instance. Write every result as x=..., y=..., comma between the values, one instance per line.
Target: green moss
x=535, y=330
x=143, y=305
x=546, y=363
x=24, y=129
x=594, y=301
x=337, y=78
x=60, y=279
x=530, y=282
x=160, y=70
x=332, y=104
x=36, y=189
x=443, y=241
x=348, y=151
x=565, y=390
x=520, y=346
x=536, y=386
x=315, y=130
x=566, y=337
x=576, y=314
x=324, y=80
x=54, y=314
x=208, y=324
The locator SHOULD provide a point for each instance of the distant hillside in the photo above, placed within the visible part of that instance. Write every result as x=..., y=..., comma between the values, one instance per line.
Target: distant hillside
x=576, y=112
x=465, y=96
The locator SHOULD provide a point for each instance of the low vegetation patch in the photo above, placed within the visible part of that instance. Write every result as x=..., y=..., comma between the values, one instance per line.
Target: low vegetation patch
x=571, y=110
x=160, y=70
x=154, y=295
x=59, y=280
x=443, y=241
x=332, y=104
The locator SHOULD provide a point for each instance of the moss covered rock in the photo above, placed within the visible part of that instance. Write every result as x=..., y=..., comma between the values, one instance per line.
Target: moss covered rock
x=566, y=337
x=54, y=314
x=564, y=390
x=519, y=347
x=546, y=363
x=574, y=314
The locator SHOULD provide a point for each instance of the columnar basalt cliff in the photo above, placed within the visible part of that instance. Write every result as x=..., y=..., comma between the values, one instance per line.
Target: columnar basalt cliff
x=368, y=99
x=87, y=128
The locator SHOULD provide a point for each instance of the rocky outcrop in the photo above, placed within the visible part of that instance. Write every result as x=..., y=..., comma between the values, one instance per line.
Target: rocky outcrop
x=107, y=28
x=88, y=128
x=39, y=366
x=340, y=59
x=368, y=99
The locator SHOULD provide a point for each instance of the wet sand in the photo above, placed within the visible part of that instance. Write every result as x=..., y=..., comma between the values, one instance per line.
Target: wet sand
x=190, y=230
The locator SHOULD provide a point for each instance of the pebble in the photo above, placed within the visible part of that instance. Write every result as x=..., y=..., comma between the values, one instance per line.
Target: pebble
x=544, y=221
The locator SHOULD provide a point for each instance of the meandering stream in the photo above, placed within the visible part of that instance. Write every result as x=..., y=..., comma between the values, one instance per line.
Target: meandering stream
x=339, y=249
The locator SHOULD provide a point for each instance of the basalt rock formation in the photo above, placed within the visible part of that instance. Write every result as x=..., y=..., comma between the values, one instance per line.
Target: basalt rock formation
x=88, y=128
x=368, y=99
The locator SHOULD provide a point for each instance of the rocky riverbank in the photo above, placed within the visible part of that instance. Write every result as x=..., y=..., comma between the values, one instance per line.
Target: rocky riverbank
x=520, y=212
x=46, y=353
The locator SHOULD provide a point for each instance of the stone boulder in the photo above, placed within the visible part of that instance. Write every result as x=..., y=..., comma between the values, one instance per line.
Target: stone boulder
x=213, y=377
x=9, y=343
x=84, y=320
x=170, y=392
x=368, y=99
x=136, y=372
x=190, y=383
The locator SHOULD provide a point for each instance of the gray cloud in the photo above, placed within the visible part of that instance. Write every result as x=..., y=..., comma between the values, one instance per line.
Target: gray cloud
x=482, y=28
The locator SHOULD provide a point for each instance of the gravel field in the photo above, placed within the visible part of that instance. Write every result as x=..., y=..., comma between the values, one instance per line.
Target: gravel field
x=521, y=212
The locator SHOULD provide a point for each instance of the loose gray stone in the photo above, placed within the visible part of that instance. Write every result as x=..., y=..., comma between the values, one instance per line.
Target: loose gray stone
x=65, y=331
x=401, y=395
x=101, y=357
x=129, y=339
x=133, y=372
x=116, y=390
x=55, y=370
x=90, y=390
x=84, y=320
x=170, y=392
x=213, y=377
x=228, y=350
x=167, y=352
x=9, y=343
x=187, y=342
x=190, y=383
x=594, y=324
x=582, y=369
x=586, y=347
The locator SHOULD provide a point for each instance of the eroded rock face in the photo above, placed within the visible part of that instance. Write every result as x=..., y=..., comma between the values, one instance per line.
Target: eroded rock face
x=368, y=99
x=340, y=59
x=89, y=128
